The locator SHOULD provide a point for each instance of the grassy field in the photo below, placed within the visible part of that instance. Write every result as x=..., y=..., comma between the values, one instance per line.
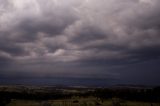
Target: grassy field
x=81, y=96
x=80, y=102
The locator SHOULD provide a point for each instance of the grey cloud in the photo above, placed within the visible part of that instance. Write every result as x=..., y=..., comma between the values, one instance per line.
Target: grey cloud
x=91, y=33
x=5, y=61
x=122, y=28
x=88, y=33
x=10, y=47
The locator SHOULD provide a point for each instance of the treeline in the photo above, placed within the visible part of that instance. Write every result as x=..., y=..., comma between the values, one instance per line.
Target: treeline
x=5, y=96
x=146, y=95
x=34, y=96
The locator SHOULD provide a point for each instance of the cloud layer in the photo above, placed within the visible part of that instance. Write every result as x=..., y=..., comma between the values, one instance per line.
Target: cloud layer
x=80, y=38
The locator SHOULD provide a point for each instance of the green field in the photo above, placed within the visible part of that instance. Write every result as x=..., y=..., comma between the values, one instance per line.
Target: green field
x=80, y=102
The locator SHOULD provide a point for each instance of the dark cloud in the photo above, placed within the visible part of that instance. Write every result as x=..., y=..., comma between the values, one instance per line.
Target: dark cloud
x=89, y=38
x=88, y=33
x=4, y=62
x=11, y=48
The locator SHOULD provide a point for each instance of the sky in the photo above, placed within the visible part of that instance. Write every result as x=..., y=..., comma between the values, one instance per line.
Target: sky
x=112, y=41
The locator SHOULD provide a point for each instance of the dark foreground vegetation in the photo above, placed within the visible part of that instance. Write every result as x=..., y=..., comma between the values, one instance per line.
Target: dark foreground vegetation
x=98, y=95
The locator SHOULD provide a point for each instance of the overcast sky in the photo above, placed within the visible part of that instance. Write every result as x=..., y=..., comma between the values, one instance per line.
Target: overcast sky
x=113, y=40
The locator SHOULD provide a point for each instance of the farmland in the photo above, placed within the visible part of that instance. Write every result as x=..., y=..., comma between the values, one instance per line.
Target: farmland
x=80, y=102
x=78, y=96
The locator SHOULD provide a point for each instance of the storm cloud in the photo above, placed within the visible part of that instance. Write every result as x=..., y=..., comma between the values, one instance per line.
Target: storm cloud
x=103, y=39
